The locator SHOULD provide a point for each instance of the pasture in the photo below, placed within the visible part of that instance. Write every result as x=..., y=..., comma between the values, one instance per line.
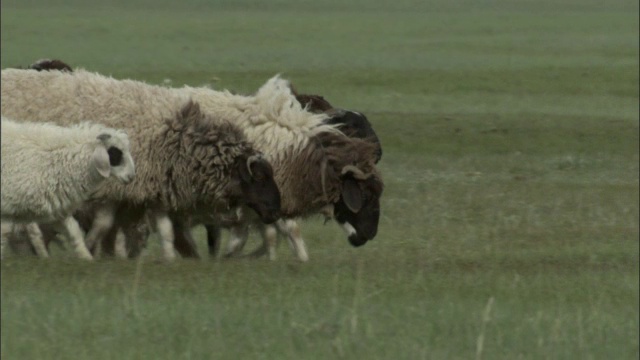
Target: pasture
x=509, y=226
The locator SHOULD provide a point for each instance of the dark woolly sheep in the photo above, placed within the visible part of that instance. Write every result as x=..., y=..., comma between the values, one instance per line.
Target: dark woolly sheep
x=351, y=123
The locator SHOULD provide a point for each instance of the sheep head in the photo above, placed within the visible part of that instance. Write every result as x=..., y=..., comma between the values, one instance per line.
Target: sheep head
x=258, y=187
x=358, y=209
x=352, y=123
x=355, y=125
x=111, y=156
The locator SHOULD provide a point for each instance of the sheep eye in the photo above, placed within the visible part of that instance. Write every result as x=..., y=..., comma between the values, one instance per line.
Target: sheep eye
x=115, y=156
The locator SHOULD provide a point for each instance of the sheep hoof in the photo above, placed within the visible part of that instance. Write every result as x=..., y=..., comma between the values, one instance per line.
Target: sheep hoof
x=170, y=256
x=232, y=254
x=85, y=256
x=258, y=253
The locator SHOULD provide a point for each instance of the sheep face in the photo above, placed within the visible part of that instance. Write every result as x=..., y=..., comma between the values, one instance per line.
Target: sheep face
x=355, y=124
x=258, y=188
x=358, y=209
x=112, y=156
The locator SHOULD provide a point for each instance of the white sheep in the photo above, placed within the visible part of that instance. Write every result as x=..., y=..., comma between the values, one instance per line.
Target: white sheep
x=48, y=171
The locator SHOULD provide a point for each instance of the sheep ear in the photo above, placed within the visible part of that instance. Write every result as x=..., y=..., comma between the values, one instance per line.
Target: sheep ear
x=101, y=161
x=352, y=195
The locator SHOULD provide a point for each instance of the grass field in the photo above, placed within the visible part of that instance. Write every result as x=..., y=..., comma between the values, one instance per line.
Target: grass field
x=509, y=225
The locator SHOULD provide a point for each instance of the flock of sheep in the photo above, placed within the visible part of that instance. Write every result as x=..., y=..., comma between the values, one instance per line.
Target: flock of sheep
x=105, y=162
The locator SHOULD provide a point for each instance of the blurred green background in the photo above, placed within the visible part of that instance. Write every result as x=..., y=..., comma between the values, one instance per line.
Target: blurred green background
x=509, y=225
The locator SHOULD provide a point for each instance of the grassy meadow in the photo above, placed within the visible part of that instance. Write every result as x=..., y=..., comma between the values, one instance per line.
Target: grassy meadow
x=510, y=222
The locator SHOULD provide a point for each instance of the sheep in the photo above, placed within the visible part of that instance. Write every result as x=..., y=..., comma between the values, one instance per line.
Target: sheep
x=350, y=162
x=373, y=187
x=353, y=124
x=316, y=164
x=289, y=226
x=48, y=171
x=184, y=157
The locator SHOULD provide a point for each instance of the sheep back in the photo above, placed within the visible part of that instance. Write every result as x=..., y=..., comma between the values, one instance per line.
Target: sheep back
x=47, y=170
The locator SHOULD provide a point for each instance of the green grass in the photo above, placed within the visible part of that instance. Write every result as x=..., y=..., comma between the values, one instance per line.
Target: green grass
x=509, y=223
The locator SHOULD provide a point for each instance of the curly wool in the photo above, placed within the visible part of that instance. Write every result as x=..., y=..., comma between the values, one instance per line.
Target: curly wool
x=192, y=162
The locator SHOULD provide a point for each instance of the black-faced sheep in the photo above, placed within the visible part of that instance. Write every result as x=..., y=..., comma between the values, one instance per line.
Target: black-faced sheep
x=341, y=161
x=355, y=125
x=351, y=123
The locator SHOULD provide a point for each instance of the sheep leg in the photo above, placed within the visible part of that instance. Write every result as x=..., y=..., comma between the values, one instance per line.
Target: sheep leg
x=36, y=239
x=5, y=228
x=108, y=243
x=165, y=230
x=72, y=231
x=135, y=240
x=50, y=235
x=18, y=241
x=292, y=230
x=120, y=248
x=102, y=223
x=213, y=239
x=184, y=242
x=239, y=236
x=269, y=242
